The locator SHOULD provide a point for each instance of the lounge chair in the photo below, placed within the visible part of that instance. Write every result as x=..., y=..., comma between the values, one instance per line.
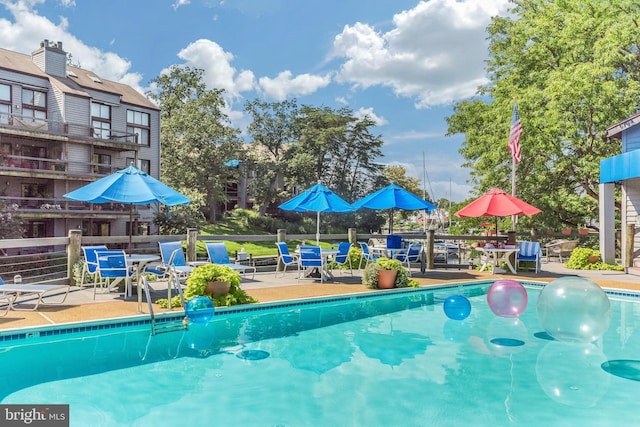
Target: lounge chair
x=411, y=254
x=529, y=251
x=285, y=257
x=9, y=293
x=217, y=252
x=560, y=248
x=173, y=259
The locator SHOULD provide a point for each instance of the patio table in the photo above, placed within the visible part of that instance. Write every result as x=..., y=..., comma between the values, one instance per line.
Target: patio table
x=496, y=255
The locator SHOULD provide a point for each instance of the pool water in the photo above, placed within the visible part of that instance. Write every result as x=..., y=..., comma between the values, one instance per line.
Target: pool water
x=395, y=360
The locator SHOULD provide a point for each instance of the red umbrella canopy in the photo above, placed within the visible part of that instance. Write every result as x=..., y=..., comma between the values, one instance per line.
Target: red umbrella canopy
x=496, y=202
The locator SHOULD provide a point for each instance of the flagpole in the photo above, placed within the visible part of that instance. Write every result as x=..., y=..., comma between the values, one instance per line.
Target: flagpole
x=514, y=147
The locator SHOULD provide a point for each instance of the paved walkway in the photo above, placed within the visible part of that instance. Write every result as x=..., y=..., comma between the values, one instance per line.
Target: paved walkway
x=80, y=305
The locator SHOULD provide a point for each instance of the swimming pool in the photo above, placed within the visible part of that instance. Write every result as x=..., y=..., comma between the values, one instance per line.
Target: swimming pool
x=367, y=360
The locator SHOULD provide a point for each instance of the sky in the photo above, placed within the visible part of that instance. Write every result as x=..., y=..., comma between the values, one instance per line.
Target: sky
x=405, y=63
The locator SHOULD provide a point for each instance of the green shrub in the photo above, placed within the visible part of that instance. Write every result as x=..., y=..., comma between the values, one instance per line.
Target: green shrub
x=579, y=260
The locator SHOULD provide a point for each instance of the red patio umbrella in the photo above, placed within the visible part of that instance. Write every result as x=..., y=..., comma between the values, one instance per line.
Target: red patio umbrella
x=496, y=202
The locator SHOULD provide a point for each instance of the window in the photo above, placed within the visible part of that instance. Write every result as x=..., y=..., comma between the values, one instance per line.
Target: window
x=34, y=105
x=5, y=103
x=102, y=163
x=101, y=120
x=138, y=124
x=143, y=165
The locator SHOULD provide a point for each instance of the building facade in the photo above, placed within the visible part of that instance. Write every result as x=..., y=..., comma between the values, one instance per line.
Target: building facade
x=62, y=127
x=622, y=170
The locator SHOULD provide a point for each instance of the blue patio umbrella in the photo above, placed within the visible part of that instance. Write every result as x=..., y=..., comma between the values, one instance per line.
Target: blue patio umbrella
x=393, y=197
x=128, y=186
x=317, y=198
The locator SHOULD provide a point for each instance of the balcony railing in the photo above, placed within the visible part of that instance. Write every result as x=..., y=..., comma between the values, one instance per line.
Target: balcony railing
x=48, y=204
x=17, y=121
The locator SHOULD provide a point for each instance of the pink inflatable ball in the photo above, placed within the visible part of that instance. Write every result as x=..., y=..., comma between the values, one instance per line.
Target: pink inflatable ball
x=574, y=309
x=507, y=298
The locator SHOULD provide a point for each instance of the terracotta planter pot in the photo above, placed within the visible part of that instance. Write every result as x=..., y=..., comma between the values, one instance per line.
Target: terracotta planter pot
x=386, y=278
x=566, y=231
x=583, y=231
x=593, y=259
x=217, y=288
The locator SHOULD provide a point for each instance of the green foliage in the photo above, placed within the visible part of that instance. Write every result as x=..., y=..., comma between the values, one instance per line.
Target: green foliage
x=354, y=256
x=572, y=67
x=579, y=260
x=370, y=273
x=177, y=219
x=197, y=283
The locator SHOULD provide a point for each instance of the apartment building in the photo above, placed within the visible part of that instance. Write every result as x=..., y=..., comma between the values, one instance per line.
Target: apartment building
x=62, y=127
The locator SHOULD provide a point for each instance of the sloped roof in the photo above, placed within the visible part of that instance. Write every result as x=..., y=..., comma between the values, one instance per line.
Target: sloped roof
x=615, y=131
x=22, y=63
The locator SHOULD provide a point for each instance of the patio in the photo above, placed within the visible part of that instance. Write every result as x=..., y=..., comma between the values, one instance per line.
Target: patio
x=80, y=305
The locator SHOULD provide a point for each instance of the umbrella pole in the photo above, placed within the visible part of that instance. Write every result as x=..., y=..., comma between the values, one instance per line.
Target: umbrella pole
x=318, y=229
x=130, y=228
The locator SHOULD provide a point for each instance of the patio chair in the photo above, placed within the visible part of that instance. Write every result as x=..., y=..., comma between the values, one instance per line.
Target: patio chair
x=90, y=265
x=367, y=256
x=112, y=268
x=217, y=252
x=311, y=258
x=529, y=251
x=173, y=259
x=411, y=254
x=560, y=248
x=285, y=257
x=342, y=257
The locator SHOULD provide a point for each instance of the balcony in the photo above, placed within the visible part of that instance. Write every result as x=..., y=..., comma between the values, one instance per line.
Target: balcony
x=48, y=207
x=17, y=124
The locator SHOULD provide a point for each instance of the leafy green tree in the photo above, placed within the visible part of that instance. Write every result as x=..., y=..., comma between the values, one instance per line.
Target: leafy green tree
x=273, y=132
x=573, y=67
x=196, y=138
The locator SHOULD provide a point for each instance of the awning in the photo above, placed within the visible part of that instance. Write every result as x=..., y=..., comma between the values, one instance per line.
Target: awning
x=620, y=167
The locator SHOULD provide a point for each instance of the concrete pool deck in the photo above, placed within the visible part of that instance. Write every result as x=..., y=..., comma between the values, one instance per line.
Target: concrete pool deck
x=80, y=305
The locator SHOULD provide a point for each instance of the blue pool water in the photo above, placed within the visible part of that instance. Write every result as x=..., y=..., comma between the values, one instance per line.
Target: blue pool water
x=393, y=360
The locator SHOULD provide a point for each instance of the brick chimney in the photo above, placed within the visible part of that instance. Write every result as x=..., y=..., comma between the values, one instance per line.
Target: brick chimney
x=50, y=58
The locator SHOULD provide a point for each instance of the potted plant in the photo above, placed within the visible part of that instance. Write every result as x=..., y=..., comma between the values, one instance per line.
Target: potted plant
x=218, y=282
x=375, y=274
x=211, y=279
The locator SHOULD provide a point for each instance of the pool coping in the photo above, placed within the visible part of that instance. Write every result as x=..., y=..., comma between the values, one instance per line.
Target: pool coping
x=60, y=329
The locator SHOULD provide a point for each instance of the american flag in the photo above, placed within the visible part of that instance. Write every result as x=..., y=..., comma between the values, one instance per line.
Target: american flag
x=514, y=135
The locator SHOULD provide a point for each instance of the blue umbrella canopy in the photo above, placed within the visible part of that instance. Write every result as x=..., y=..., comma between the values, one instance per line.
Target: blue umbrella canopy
x=317, y=198
x=393, y=197
x=129, y=186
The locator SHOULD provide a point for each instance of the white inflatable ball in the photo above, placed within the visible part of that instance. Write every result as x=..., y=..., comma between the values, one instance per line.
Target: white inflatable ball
x=574, y=309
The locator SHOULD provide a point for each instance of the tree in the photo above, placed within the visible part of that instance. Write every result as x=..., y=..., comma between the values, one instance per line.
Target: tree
x=196, y=139
x=573, y=67
x=273, y=132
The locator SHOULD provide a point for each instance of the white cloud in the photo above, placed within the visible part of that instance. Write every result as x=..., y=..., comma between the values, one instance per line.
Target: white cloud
x=68, y=3
x=179, y=3
x=362, y=112
x=286, y=85
x=28, y=29
x=218, y=71
x=435, y=53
